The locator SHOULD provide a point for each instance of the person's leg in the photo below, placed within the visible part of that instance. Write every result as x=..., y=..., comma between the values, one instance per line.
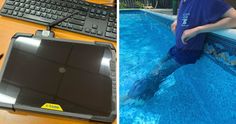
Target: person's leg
x=146, y=88
x=161, y=62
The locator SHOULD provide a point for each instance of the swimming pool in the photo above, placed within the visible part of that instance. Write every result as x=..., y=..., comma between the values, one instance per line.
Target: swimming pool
x=201, y=93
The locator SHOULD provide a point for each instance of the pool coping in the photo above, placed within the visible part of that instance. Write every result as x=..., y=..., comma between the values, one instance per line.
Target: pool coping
x=228, y=33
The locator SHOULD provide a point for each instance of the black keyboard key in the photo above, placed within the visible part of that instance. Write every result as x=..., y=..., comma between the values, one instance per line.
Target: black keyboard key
x=38, y=4
x=17, y=8
x=74, y=7
x=14, y=13
x=94, y=6
x=55, y=2
x=92, y=10
x=64, y=9
x=110, y=35
x=22, y=5
x=27, y=6
x=98, y=11
x=54, y=17
x=91, y=15
x=69, y=5
x=100, y=6
x=97, y=16
x=110, y=24
x=4, y=11
x=103, y=17
x=111, y=19
x=10, y=2
x=53, y=12
x=112, y=14
x=48, y=10
x=59, y=12
x=114, y=30
x=78, y=22
x=59, y=17
x=32, y=2
x=33, y=12
x=43, y=15
x=63, y=5
x=94, y=26
x=27, y=11
x=83, y=13
x=37, y=8
x=36, y=18
x=59, y=8
x=85, y=9
x=54, y=7
x=104, y=12
x=17, y=4
x=22, y=10
x=87, y=4
x=48, y=6
x=77, y=27
x=64, y=14
x=64, y=24
x=58, y=3
x=69, y=26
x=42, y=9
x=87, y=30
x=47, y=1
x=75, y=1
x=32, y=7
x=38, y=13
x=28, y=1
x=9, y=7
x=81, y=2
x=49, y=16
x=78, y=17
x=99, y=33
x=71, y=11
x=9, y=12
x=94, y=31
x=109, y=29
x=43, y=5
x=20, y=14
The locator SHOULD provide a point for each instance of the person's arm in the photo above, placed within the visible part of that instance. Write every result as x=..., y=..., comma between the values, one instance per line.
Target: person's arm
x=173, y=26
x=229, y=21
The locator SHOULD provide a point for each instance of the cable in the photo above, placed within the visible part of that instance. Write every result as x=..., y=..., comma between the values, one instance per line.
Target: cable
x=59, y=21
x=1, y=56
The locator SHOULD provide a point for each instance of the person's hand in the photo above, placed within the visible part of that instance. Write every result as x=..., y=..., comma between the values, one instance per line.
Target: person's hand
x=173, y=26
x=188, y=34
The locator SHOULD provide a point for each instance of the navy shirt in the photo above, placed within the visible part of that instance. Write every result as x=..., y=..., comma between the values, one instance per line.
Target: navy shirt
x=193, y=13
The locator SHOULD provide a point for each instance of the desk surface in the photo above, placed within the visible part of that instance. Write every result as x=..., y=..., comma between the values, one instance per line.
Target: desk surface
x=8, y=28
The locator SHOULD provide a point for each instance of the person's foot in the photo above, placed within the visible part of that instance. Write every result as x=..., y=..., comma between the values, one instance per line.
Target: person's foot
x=143, y=89
x=125, y=100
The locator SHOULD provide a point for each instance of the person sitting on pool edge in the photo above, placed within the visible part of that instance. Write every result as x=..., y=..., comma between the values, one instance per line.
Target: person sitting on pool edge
x=195, y=18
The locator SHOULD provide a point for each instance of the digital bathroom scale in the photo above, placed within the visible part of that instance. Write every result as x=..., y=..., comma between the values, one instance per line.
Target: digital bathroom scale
x=61, y=77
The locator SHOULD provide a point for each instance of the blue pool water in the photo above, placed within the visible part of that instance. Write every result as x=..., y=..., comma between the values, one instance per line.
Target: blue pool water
x=201, y=93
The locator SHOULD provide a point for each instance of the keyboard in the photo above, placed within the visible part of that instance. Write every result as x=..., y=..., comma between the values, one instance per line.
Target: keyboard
x=92, y=19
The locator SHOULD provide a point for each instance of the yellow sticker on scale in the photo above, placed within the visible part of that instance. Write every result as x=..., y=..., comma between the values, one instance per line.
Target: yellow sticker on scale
x=51, y=106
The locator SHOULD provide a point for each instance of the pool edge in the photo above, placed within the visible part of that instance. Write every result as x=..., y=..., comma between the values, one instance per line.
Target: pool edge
x=227, y=33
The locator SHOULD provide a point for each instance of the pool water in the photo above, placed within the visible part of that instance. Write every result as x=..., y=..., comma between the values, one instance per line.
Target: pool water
x=201, y=93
